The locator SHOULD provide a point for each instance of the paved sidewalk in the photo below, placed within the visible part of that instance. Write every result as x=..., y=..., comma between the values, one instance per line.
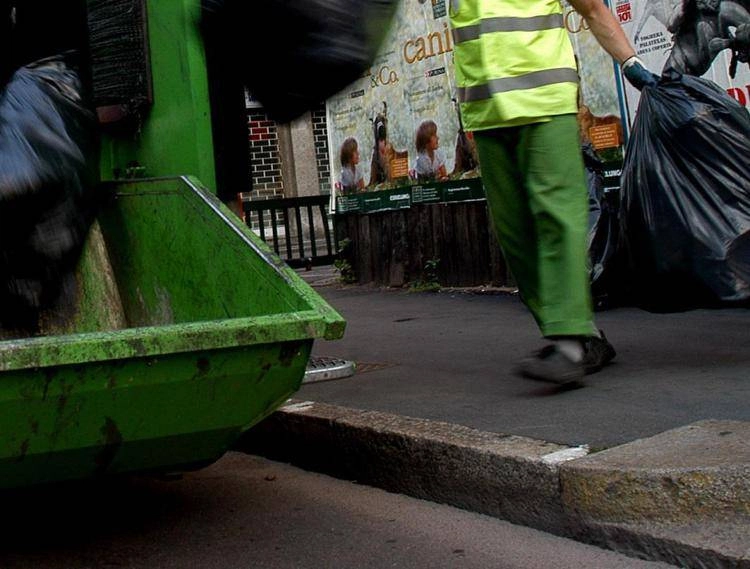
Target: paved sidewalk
x=435, y=412
x=448, y=356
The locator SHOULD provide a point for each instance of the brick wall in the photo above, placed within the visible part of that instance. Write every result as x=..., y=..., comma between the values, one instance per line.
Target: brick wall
x=320, y=132
x=265, y=162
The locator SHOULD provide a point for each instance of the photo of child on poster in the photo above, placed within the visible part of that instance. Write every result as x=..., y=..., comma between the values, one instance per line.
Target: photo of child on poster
x=409, y=90
x=430, y=163
x=351, y=179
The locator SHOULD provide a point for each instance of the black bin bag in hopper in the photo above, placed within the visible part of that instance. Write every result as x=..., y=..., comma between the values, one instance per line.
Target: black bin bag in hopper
x=685, y=212
x=294, y=54
x=48, y=168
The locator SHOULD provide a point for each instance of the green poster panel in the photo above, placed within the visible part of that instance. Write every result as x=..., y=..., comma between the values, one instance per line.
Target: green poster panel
x=462, y=190
x=426, y=193
x=398, y=198
x=348, y=204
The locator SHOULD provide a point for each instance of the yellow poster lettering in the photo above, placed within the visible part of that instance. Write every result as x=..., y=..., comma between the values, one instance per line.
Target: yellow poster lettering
x=408, y=49
x=574, y=23
x=430, y=45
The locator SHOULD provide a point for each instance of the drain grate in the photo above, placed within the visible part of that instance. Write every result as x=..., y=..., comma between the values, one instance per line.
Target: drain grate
x=322, y=368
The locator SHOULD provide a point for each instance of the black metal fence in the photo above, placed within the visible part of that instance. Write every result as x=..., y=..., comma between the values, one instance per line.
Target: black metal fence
x=300, y=230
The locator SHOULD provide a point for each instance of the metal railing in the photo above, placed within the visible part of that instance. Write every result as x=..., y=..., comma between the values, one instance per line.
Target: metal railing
x=300, y=228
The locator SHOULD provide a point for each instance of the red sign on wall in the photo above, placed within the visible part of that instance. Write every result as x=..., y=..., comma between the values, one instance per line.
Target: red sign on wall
x=624, y=12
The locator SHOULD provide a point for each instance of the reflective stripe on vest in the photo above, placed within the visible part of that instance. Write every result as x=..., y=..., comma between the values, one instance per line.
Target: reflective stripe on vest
x=514, y=62
x=527, y=81
x=533, y=24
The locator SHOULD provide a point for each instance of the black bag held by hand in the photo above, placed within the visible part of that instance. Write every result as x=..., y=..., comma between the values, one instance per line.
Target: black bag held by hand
x=48, y=167
x=685, y=214
x=295, y=53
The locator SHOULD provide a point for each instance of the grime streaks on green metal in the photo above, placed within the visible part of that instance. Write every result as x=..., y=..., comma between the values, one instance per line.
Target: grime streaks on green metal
x=187, y=364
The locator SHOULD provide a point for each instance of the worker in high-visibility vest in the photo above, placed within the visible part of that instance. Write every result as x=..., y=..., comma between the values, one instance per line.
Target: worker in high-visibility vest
x=517, y=83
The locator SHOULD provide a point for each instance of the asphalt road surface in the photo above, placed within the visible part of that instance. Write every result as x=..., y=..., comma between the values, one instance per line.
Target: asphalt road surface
x=248, y=513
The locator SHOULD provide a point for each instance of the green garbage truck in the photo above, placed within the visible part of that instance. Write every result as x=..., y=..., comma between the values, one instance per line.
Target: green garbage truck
x=187, y=330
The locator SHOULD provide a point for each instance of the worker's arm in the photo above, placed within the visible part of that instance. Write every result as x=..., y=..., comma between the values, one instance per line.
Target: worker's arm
x=605, y=28
x=609, y=34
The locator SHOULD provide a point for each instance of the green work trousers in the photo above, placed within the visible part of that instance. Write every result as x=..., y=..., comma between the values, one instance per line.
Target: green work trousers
x=536, y=191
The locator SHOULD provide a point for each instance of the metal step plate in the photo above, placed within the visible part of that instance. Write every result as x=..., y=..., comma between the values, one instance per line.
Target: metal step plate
x=322, y=368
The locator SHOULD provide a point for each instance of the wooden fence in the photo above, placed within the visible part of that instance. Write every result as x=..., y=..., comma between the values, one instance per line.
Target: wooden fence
x=393, y=248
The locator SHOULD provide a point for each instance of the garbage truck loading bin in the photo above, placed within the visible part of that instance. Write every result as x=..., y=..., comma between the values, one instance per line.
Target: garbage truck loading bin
x=186, y=330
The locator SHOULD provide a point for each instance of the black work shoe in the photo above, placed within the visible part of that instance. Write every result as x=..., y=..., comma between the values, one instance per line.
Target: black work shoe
x=597, y=352
x=551, y=365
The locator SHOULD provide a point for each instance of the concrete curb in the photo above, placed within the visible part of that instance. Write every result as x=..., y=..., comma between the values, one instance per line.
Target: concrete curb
x=543, y=485
x=692, y=473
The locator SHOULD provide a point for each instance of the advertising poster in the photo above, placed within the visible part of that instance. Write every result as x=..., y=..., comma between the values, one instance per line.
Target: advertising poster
x=600, y=109
x=394, y=135
x=381, y=129
x=705, y=38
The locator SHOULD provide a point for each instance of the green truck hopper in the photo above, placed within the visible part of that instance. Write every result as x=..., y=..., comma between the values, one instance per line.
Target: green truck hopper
x=188, y=329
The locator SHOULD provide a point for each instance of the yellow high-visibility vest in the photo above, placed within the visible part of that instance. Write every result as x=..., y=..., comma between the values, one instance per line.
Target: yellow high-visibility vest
x=514, y=62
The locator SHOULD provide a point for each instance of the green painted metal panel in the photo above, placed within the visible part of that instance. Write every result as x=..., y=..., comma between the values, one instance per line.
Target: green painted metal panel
x=140, y=414
x=175, y=137
x=187, y=330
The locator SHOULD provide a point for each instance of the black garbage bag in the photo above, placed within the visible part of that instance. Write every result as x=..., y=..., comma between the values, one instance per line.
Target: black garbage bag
x=298, y=53
x=603, y=236
x=48, y=168
x=31, y=30
x=685, y=212
x=6, y=29
x=594, y=168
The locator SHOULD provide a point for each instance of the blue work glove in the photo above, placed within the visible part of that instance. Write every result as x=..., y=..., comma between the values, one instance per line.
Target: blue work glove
x=637, y=74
